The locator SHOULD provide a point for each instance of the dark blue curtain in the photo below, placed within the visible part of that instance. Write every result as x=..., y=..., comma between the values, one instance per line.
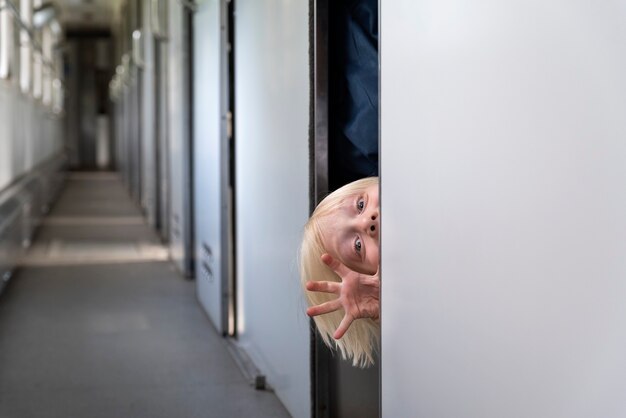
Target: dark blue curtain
x=353, y=90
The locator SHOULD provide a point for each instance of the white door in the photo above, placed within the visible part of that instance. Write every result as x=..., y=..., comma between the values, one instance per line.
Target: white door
x=208, y=163
x=503, y=204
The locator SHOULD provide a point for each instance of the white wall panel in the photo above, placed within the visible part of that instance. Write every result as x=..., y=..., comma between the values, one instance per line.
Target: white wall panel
x=207, y=160
x=503, y=202
x=148, y=117
x=179, y=131
x=271, y=114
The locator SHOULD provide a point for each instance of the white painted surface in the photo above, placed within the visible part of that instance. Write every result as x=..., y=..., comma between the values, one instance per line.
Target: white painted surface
x=6, y=30
x=207, y=162
x=103, y=145
x=271, y=115
x=179, y=113
x=148, y=117
x=503, y=202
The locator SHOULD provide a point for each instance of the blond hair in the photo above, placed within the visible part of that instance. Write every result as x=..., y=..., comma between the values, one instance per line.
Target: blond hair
x=361, y=340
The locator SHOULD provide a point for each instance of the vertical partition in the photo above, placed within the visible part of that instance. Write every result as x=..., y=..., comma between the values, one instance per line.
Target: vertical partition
x=179, y=111
x=272, y=117
x=210, y=165
x=503, y=202
x=149, y=160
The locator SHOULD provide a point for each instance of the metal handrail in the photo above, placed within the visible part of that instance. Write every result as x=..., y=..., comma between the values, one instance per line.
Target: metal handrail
x=8, y=4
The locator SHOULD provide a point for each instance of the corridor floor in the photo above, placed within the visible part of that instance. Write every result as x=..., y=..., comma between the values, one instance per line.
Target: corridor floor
x=98, y=324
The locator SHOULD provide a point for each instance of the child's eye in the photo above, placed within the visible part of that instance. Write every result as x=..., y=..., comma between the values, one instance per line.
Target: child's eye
x=357, y=245
x=360, y=204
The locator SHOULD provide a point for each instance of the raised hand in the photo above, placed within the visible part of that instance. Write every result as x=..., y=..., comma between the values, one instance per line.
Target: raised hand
x=358, y=295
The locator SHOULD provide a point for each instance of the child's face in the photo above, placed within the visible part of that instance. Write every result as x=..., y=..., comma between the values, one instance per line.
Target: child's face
x=352, y=232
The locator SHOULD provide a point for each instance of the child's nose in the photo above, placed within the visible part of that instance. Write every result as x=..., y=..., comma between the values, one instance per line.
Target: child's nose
x=372, y=223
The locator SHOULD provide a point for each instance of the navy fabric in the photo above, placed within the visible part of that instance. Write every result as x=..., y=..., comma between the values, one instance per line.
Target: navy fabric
x=353, y=106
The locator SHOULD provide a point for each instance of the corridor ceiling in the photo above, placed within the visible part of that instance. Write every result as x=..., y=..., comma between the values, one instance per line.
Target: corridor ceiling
x=87, y=14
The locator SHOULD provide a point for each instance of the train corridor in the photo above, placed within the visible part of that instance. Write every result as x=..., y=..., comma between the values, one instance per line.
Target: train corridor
x=97, y=322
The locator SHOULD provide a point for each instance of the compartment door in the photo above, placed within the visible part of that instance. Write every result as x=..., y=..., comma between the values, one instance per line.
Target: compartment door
x=503, y=202
x=210, y=166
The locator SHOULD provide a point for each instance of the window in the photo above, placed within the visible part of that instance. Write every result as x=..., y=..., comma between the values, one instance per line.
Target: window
x=26, y=12
x=6, y=26
x=46, y=45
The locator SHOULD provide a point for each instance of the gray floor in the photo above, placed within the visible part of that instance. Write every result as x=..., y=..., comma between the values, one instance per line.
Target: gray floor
x=81, y=337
